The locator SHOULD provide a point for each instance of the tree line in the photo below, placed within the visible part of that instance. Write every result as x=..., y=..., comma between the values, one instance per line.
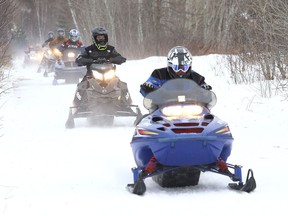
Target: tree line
x=253, y=34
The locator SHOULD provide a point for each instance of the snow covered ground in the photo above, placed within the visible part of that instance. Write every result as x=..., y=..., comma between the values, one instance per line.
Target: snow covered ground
x=46, y=169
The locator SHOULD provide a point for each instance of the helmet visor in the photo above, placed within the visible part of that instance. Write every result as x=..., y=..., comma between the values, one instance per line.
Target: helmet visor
x=51, y=35
x=74, y=38
x=180, y=69
x=100, y=39
x=61, y=33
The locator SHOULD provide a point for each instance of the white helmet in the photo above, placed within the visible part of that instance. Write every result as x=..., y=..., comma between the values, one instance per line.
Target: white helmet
x=74, y=35
x=179, y=61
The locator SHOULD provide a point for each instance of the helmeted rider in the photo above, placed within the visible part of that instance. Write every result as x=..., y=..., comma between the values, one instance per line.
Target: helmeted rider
x=99, y=52
x=51, y=37
x=179, y=65
x=44, y=60
x=59, y=39
x=73, y=42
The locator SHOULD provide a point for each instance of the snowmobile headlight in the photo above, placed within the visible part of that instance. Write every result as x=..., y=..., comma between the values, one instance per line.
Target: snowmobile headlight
x=97, y=75
x=71, y=55
x=49, y=52
x=33, y=57
x=36, y=56
x=39, y=56
x=186, y=111
x=106, y=76
x=57, y=53
x=109, y=74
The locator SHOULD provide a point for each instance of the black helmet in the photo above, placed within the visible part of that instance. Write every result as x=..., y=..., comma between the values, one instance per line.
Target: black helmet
x=60, y=33
x=179, y=62
x=101, y=44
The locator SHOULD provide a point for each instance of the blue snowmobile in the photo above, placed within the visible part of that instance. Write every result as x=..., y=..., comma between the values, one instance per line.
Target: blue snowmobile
x=183, y=138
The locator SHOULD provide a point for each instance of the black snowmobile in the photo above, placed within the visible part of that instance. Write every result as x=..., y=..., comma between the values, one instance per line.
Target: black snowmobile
x=102, y=97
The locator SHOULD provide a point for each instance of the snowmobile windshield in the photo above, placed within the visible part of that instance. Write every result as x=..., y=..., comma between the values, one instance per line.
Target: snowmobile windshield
x=180, y=91
x=70, y=53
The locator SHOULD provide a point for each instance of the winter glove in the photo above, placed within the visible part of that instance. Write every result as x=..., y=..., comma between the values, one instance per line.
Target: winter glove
x=81, y=61
x=207, y=87
x=147, y=87
x=148, y=84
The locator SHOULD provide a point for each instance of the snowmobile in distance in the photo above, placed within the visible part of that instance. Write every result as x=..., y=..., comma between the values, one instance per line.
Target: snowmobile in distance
x=67, y=68
x=48, y=62
x=33, y=56
x=184, y=139
x=101, y=98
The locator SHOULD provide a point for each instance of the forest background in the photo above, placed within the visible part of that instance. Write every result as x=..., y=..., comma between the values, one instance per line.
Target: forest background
x=252, y=34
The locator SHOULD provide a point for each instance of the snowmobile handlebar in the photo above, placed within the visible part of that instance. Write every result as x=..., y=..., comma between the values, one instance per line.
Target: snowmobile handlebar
x=101, y=61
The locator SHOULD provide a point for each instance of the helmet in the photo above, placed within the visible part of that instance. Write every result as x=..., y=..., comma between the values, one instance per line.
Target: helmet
x=51, y=35
x=179, y=61
x=100, y=43
x=74, y=35
x=60, y=33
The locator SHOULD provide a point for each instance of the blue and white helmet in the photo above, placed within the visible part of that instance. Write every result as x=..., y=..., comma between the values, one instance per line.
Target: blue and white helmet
x=74, y=35
x=179, y=61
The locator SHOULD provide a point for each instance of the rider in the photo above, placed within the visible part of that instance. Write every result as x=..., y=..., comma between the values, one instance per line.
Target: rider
x=44, y=60
x=59, y=39
x=179, y=63
x=29, y=49
x=73, y=42
x=51, y=37
x=99, y=52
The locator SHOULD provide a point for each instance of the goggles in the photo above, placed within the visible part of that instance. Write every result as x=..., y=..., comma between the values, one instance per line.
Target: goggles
x=61, y=33
x=74, y=38
x=180, y=69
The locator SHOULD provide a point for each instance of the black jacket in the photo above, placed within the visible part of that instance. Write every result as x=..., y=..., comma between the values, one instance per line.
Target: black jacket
x=92, y=53
x=161, y=75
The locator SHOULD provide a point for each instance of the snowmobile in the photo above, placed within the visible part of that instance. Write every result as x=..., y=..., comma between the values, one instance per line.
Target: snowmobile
x=184, y=139
x=102, y=97
x=67, y=68
x=32, y=57
x=48, y=62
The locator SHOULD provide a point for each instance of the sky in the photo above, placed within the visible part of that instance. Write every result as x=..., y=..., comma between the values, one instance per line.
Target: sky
x=46, y=169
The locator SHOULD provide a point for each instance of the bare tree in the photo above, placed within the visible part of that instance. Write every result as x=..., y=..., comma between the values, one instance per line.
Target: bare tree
x=8, y=8
x=255, y=31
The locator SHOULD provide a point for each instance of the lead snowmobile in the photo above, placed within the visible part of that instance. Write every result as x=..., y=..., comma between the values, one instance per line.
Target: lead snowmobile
x=102, y=97
x=183, y=138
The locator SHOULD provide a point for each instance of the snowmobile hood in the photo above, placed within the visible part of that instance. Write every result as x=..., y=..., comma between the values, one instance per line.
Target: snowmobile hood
x=102, y=68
